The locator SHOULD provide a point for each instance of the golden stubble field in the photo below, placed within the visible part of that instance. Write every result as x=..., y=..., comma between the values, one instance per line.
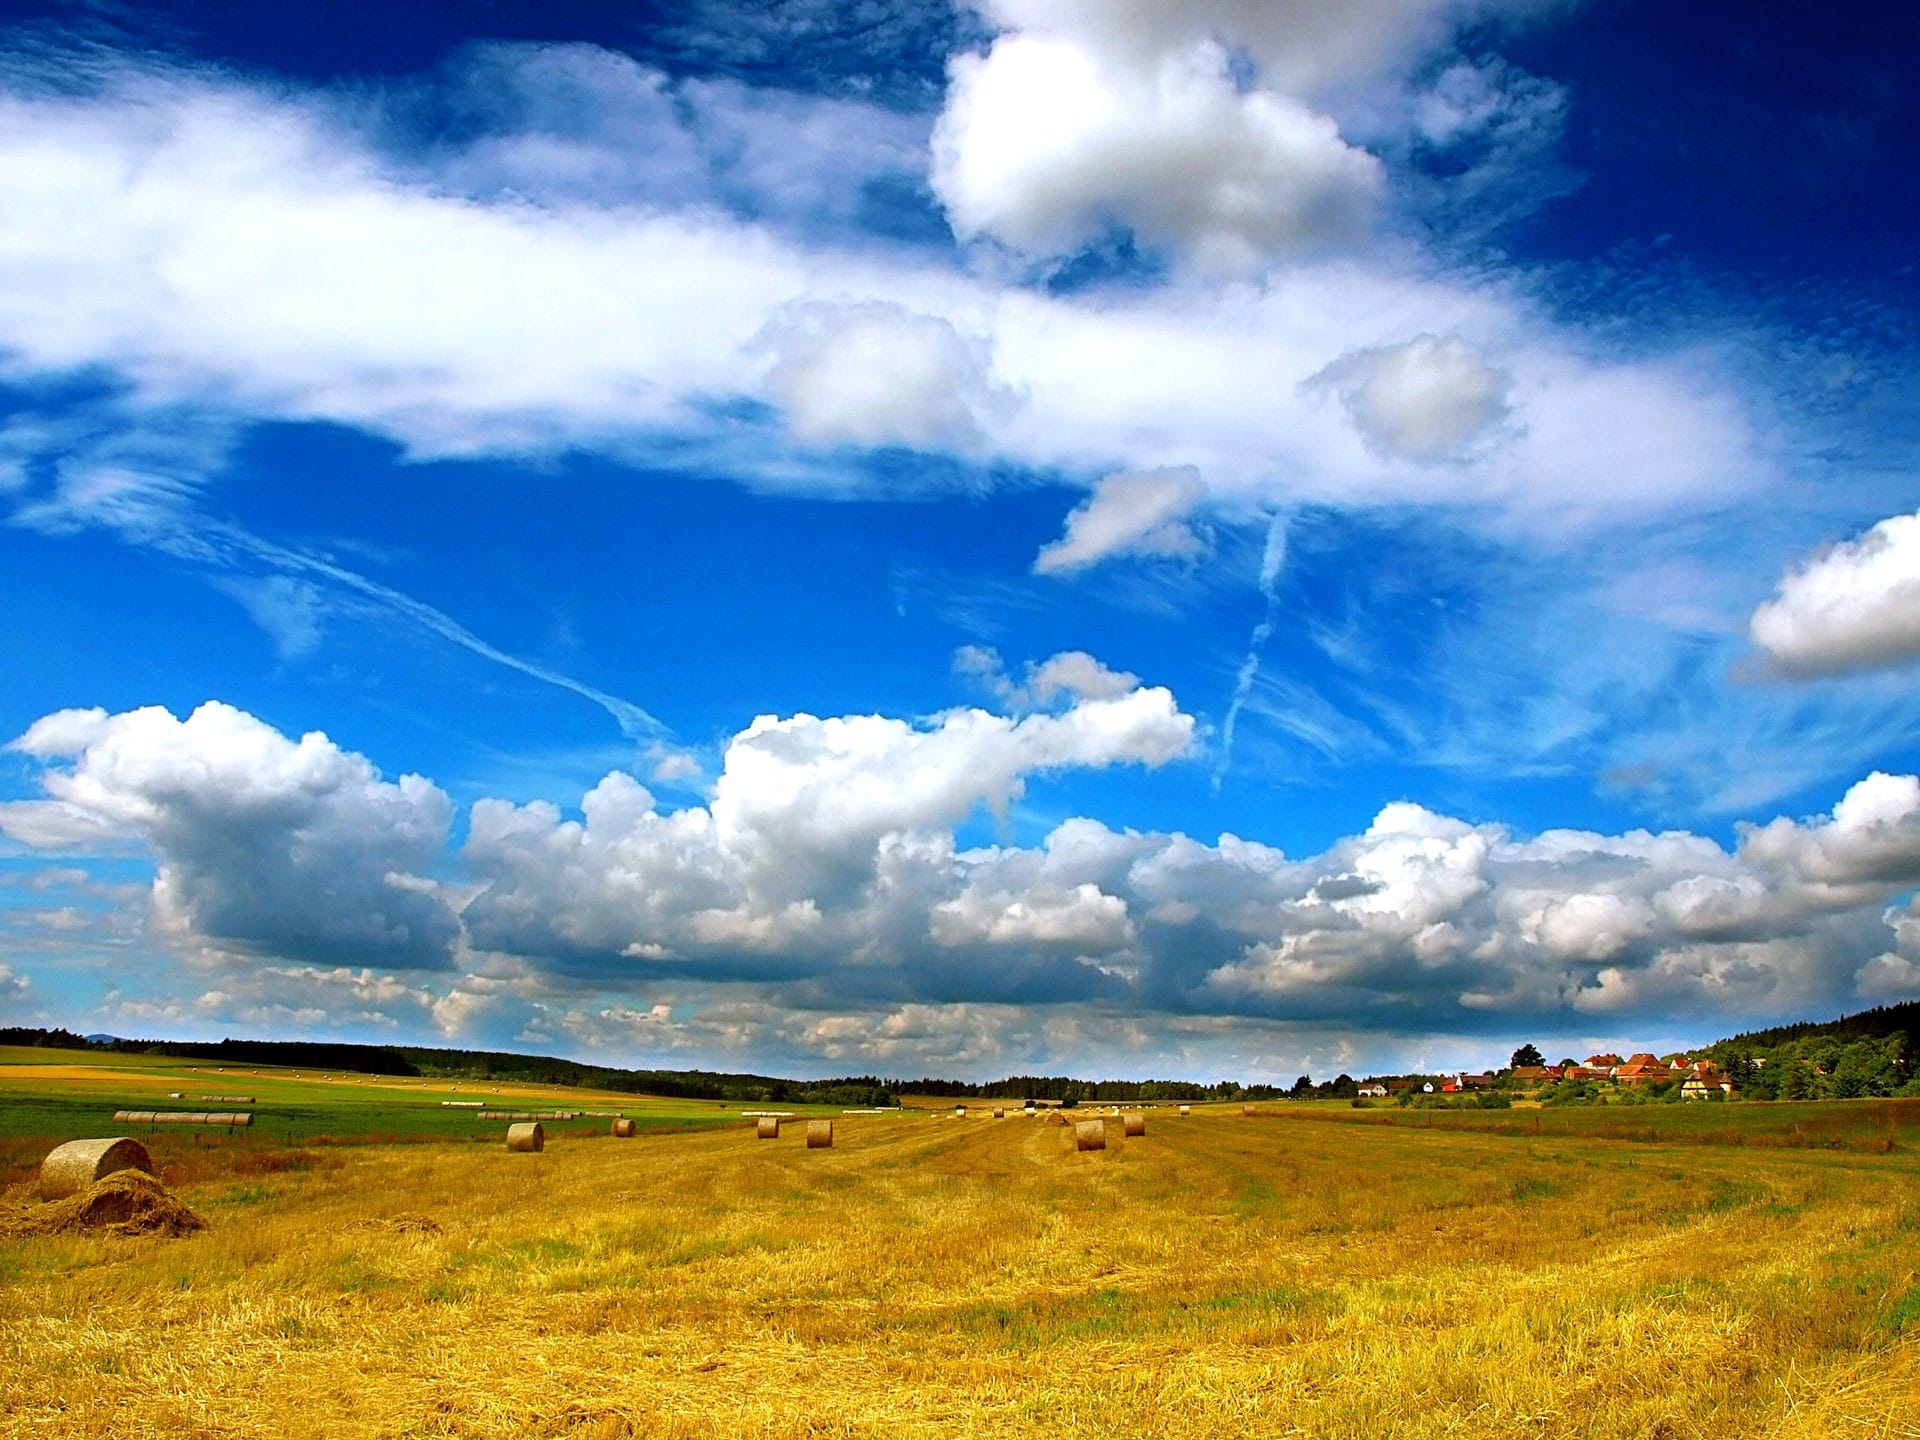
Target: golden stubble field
x=1222, y=1276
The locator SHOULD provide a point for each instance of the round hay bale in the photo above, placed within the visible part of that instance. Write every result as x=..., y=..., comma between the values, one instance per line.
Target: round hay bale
x=768, y=1128
x=1136, y=1124
x=960, y=1110
x=1247, y=1110
x=998, y=1113
x=74, y=1166
x=1090, y=1135
x=1186, y=1109
x=623, y=1129
x=526, y=1138
x=819, y=1134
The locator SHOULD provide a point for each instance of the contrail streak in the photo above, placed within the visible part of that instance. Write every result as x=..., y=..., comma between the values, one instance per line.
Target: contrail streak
x=1273, y=560
x=634, y=723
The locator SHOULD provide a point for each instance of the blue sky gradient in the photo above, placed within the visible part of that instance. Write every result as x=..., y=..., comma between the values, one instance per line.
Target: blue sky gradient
x=1212, y=539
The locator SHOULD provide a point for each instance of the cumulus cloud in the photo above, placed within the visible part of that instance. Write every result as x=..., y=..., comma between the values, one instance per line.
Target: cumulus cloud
x=1044, y=143
x=876, y=373
x=264, y=845
x=1853, y=606
x=824, y=883
x=1207, y=129
x=1143, y=513
x=815, y=829
x=1304, y=47
x=1422, y=921
x=1424, y=400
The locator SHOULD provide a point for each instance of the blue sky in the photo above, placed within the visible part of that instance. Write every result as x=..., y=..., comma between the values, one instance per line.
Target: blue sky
x=1206, y=539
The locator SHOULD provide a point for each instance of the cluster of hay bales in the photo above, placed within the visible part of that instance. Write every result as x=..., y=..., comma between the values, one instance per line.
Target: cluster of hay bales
x=526, y=1138
x=183, y=1117
x=767, y=1127
x=1090, y=1135
x=467, y=1104
x=517, y=1115
x=819, y=1134
x=226, y=1099
x=623, y=1128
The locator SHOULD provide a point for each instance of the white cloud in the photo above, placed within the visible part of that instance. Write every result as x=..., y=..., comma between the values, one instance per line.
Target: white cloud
x=1423, y=400
x=1304, y=47
x=1142, y=513
x=824, y=883
x=290, y=611
x=232, y=253
x=876, y=373
x=811, y=821
x=1853, y=606
x=1044, y=143
x=1071, y=673
x=1081, y=919
x=264, y=845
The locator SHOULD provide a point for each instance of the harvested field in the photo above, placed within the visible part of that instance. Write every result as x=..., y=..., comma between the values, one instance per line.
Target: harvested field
x=924, y=1279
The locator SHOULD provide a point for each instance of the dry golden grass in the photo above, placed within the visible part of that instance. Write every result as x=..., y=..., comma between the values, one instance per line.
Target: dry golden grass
x=1216, y=1278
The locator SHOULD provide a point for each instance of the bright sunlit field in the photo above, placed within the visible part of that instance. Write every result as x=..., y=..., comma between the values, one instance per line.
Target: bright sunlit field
x=930, y=1276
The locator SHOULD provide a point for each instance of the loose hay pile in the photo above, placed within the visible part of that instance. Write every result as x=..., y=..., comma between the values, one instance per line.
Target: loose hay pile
x=402, y=1225
x=126, y=1202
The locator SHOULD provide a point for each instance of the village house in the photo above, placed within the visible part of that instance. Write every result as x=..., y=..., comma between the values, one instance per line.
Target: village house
x=1375, y=1091
x=1644, y=1068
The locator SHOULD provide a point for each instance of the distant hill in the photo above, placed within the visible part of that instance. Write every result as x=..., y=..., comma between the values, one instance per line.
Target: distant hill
x=1869, y=1053
x=1874, y=1024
